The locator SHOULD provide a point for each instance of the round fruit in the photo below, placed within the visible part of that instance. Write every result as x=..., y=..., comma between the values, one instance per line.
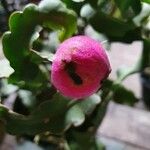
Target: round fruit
x=79, y=67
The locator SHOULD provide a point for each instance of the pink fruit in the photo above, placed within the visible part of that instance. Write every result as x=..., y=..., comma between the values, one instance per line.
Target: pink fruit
x=79, y=67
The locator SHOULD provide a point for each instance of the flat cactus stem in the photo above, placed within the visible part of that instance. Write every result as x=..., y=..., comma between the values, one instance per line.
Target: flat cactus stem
x=17, y=43
x=46, y=117
x=55, y=116
x=24, y=29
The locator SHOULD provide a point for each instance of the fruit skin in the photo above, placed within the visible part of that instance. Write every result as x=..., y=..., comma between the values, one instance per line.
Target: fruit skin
x=79, y=67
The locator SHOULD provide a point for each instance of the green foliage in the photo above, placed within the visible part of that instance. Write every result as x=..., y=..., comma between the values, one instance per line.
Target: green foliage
x=38, y=106
x=146, y=1
x=74, y=5
x=84, y=140
x=120, y=93
x=49, y=116
x=55, y=115
x=17, y=43
x=124, y=96
x=112, y=27
x=146, y=53
x=75, y=116
x=129, y=7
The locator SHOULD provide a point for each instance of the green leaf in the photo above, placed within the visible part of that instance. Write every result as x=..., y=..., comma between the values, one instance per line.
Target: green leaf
x=48, y=116
x=89, y=104
x=40, y=57
x=120, y=94
x=16, y=45
x=75, y=116
x=143, y=15
x=112, y=27
x=3, y=112
x=53, y=115
x=129, y=8
x=31, y=77
x=57, y=16
x=2, y=131
x=78, y=112
x=76, y=6
x=87, y=11
x=145, y=60
x=93, y=3
x=24, y=29
x=146, y=1
x=124, y=96
x=83, y=141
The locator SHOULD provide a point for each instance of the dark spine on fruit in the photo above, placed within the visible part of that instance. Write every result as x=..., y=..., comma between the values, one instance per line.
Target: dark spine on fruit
x=70, y=67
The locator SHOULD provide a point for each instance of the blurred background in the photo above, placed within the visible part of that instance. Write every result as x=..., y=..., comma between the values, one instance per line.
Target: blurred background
x=124, y=127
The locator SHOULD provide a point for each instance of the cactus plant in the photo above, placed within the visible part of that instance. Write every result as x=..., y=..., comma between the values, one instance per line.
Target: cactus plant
x=47, y=87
